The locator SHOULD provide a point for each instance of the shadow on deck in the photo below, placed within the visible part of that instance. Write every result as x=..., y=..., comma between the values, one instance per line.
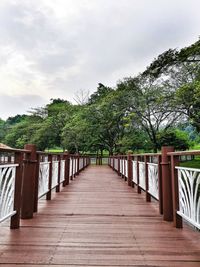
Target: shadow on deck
x=98, y=221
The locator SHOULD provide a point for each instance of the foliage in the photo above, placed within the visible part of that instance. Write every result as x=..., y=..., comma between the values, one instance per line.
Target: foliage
x=173, y=137
x=150, y=106
x=173, y=57
x=188, y=98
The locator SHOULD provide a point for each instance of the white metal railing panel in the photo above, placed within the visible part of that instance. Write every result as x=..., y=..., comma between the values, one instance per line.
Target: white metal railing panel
x=74, y=166
x=123, y=169
x=126, y=168
x=121, y=166
x=80, y=163
x=134, y=166
x=116, y=164
x=76, y=169
x=70, y=167
x=153, y=180
x=7, y=188
x=142, y=182
x=62, y=171
x=189, y=194
x=105, y=161
x=43, y=183
x=54, y=181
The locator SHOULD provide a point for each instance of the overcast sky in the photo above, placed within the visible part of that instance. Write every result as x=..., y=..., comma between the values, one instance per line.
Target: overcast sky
x=54, y=48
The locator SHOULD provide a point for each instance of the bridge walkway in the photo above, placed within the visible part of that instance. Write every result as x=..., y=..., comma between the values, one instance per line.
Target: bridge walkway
x=97, y=220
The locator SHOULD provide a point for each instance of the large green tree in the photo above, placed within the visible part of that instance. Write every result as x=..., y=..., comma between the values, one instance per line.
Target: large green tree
x=150, y=105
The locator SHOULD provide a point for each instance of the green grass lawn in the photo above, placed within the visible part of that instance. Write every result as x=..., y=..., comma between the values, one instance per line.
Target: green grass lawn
x=54, y=150
x=195, y=163
x=195, y=147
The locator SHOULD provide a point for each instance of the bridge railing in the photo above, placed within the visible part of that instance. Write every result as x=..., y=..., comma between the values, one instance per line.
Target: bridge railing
x=28, y=175
x=160, y=176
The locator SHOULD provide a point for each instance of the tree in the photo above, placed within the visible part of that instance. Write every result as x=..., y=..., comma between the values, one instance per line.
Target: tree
x=173, y=58
x=2, y=130
x=173, y=137
x=102, y=91
x=81, y=97
x=188, y=99
x=150, y=105
x=107, y=120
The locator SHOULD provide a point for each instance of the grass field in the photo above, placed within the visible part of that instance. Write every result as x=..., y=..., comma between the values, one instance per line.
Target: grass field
x=195, y=163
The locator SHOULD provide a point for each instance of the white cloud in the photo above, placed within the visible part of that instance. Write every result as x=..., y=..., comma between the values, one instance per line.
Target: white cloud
x=53, y=48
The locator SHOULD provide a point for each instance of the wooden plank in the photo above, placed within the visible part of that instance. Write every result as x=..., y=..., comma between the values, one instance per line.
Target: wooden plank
x=97, y=220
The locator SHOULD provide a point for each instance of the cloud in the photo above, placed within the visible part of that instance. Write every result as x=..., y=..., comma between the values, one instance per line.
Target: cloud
x=54, y=48
x=19, y=104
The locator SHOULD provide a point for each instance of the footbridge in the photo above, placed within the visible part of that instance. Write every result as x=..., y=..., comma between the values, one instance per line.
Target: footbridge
x=60, y=210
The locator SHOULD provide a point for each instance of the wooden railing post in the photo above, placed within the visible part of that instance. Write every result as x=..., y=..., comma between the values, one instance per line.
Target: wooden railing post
x=167, y=184
x=130, y=170
x=160, y=187
x=50, y=159
x=72, y=176
x=78, y=164
x=37, y=171
x=67, y=162
x=15, y=219
x=138, y=178
x=148, y=196
x=177, y=219
x=113, y=163
x=28, y=189
x=118, y=172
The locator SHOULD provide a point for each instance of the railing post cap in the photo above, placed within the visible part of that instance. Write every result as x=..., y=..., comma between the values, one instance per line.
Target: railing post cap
x=165, y=149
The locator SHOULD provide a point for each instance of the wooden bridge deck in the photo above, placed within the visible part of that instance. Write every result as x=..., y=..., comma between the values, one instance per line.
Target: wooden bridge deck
x=98, y=221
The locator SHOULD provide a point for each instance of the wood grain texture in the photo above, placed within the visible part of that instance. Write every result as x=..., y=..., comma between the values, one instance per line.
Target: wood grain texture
x=97, y=220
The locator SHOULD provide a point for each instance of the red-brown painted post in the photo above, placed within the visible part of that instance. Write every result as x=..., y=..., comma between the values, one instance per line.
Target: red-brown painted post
x=9, y=158
x=138, y=178
x=29, y=181
x=50, y=159
x=118, y=170
x=72, y=161
x=75, y=163
x=148, y=196
x=78, y=164
x=37, y=173
x=74, y=166
x=167, y=184
x=121, y=174
x=15, y=219
x=177, y=219
x=67, y=162
x=59, y=166
x=130, y=170
x=160, y=187
x=132, y=183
